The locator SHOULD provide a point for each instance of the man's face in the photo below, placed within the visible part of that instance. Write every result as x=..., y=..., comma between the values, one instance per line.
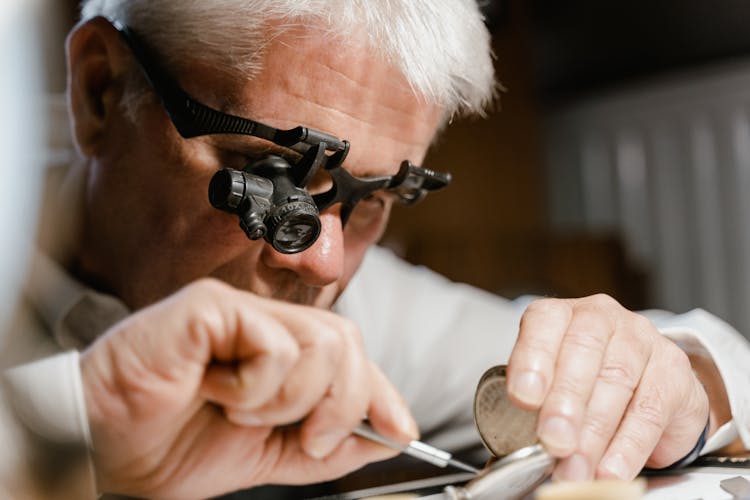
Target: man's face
x=149, y=226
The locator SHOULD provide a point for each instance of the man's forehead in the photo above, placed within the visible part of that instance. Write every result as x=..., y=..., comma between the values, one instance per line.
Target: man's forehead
x=311, y=80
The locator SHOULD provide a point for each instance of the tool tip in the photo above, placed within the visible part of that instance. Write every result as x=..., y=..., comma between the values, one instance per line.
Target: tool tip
x=463, y=466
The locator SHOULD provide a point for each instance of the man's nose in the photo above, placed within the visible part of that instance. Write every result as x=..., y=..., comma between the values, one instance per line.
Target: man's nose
x=323, y=262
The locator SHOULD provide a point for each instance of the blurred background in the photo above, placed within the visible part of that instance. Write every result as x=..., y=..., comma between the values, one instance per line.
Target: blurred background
x=617, y=161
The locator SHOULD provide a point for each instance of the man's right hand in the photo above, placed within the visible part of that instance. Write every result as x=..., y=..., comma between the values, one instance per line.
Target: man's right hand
x=214, y=389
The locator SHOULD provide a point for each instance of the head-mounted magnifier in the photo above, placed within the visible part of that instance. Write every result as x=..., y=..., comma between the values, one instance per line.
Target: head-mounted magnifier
x=270, y=196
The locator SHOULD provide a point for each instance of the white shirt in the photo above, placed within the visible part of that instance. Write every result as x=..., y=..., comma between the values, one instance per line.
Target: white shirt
x=433, y=339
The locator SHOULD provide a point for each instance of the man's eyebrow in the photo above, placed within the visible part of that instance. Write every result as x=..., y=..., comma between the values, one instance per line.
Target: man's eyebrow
x=251, y=146
x=255, y=147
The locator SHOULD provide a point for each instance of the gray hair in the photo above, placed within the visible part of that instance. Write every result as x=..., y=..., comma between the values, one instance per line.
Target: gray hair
x=441, y=46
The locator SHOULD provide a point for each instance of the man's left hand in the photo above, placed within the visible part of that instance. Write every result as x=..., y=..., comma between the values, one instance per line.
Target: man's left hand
x=613, y=394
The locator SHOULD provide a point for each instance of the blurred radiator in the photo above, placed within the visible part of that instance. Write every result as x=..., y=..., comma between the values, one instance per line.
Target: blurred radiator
x=667, y=167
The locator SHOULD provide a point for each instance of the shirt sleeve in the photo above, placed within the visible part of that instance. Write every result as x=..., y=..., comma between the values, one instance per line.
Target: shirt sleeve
x=47, y=397
x=434, y=338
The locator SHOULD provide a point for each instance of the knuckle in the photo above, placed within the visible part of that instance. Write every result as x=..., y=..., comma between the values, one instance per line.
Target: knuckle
x=640, y=333
x=619, y=373
x=649, y=408
x=586, y=339
x=600, y=305
x=290, y=405
x=677, y=358
x=323, y=336
x=344, y=404
x=636, y=445
x=546, y=307
x=600, y=425
x=207, y=287
x=538, y=345
x=564, y=390
x=671, y=361
x=328, y=341
x=351, y=332
x=641, y=325
x=287, y=353
x=602, y=301
x=348, y=326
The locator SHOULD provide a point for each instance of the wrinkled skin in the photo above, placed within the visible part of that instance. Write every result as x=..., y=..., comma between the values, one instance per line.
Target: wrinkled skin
x=160, y=407
x=186, y=398
x=189, y=398
x=149, y=227
x=613, y=394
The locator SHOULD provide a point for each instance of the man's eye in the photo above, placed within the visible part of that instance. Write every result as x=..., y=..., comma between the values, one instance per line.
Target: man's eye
x=234, y=159
x=369, y=211
x=320, y=183
x=374, y=199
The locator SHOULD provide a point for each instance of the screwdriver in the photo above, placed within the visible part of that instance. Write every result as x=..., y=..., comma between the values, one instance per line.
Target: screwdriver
x=416, y=449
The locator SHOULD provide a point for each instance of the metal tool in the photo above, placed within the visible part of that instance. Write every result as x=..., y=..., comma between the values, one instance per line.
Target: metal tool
x=507, y=431
x=737, y=486
x=416, y=449
x=511, y=477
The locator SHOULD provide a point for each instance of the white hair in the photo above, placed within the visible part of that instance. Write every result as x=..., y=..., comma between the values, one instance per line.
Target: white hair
x=441, y=46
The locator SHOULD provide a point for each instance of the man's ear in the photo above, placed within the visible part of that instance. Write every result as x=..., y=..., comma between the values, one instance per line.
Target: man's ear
x=97, y=61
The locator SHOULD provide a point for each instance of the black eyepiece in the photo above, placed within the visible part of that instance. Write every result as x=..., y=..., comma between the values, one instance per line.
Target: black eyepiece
x=268, y=203
x=226, y=190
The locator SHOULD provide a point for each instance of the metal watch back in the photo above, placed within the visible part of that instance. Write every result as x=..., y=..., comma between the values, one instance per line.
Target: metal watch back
x=509, y=433
x=503, y=427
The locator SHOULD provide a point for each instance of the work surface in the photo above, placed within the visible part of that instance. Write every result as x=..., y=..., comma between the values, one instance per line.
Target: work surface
x=694, y=483
x=686, y=484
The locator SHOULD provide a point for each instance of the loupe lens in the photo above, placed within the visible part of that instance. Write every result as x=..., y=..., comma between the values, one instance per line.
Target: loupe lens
x=295, y=231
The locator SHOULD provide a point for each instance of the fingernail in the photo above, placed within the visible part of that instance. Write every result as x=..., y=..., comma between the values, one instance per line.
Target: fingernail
x=558, y=435
x=573, y=468
x=616, y=466
x=322, y=445
x=528, y=387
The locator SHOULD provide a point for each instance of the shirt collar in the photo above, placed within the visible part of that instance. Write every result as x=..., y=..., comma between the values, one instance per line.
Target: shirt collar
x=74, y=313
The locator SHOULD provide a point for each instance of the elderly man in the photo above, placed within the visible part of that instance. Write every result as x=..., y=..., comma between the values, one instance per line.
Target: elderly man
x=262, y=144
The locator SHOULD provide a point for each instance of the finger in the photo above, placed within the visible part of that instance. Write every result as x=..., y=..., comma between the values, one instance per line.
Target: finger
x=343, y=406
x=388, y=412
x=264, y=352
x=163, y=350
x=532, y=362
x=688, y=422
x=298, y=467
x=321, y=349
x=624, y=362
x=655, y=403
x=579, y=360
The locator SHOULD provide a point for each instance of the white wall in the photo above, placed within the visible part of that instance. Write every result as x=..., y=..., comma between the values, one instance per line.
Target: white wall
x=666, y=165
